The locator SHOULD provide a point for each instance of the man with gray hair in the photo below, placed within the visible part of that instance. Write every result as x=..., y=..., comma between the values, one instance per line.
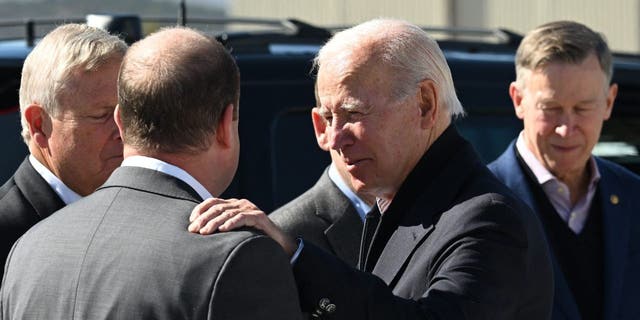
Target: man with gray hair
x=67, y=98
x=589, y=206
x=125, y=252
x=446, y=240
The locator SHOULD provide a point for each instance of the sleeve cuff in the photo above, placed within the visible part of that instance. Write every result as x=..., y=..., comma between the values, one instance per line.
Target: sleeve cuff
x=297, y=253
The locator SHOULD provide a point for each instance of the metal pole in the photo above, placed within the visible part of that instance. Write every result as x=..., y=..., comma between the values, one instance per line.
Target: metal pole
x=182, y=15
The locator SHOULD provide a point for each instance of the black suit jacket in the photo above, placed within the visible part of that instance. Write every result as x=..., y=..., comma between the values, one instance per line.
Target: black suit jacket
x=25, y=199
x=324, y=216
x=453, y=244
x=124, y=252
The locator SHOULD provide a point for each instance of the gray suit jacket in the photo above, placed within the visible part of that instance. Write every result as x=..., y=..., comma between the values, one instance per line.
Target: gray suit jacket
x=325, y=217
x=124, y=252
x=25, y=199
x=455, y=243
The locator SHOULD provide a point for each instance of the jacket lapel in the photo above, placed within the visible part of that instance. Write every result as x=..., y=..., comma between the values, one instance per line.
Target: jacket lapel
x=346, y=230
x=399, y=250
x=343, y=234
x=438, y=179
x=616, y=217
x=36, y=190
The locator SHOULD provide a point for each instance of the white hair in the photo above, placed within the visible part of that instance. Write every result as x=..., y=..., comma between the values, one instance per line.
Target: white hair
x=49, y=69
x=405, y=48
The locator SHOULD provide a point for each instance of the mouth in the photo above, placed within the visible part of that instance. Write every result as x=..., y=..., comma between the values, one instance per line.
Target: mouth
x=565, y=149
x=353, y=163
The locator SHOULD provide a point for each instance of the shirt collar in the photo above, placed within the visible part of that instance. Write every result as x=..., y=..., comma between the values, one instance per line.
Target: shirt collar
x=542, y=174
x=67, y=195
x=164, y=167
x=361, y=207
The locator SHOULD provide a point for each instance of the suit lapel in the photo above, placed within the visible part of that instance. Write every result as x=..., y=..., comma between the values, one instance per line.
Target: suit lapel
x=616, y=217
x=343, y=234
x=343, y=231
x=438, y=179
x=398, y=251
x=36, y=190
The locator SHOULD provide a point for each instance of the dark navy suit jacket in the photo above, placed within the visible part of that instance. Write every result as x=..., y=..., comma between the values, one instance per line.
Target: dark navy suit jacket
x=620, y=199
x=25, y=199
x=455, y=243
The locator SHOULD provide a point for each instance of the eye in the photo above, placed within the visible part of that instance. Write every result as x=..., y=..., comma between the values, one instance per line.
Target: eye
x=328, y=117
x=551, y=110
x=101, y=116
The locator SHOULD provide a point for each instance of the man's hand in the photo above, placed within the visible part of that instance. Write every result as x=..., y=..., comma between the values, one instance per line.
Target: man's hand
x=225, y=215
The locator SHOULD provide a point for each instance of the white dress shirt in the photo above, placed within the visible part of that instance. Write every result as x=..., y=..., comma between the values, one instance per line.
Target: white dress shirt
x=67, y=195
x=174, y=171
x=361, y=207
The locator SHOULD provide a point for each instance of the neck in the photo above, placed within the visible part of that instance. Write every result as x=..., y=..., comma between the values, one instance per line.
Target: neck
x=199, y=165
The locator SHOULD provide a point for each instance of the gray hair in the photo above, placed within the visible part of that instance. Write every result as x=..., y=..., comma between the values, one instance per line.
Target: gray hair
x=561, y=41
x=405, y=48
x=48, y=72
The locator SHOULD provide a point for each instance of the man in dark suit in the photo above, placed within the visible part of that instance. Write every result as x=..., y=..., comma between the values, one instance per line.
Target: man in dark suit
x=452, y=242
x=123, y=252
x=589, y=206
x=67, y=97
x=330, y=214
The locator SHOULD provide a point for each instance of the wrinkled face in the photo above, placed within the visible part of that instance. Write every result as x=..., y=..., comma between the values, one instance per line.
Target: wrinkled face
x=375, y=136
x=84, y=142
x=563, y=107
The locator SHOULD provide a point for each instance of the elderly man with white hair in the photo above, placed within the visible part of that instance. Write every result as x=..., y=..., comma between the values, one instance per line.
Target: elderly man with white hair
x=446, y=239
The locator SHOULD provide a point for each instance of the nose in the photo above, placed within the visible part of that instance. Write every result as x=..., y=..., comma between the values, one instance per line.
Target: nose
x=339, y=135
x=565, y=126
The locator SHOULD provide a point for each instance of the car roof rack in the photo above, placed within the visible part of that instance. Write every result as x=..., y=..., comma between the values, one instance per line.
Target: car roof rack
x=257, y=35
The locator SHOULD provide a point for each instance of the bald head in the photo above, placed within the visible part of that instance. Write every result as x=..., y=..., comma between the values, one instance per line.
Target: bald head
x=172, y=90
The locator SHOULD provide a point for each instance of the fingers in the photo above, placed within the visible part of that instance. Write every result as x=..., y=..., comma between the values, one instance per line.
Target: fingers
x=202, y=207
x=252, y=218
x=212, y=213
x=224, y=215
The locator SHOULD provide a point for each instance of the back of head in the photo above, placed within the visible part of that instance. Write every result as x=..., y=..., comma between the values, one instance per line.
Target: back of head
x=561, y=41
x=410, y=53
x=172, y=90
x=48, y=70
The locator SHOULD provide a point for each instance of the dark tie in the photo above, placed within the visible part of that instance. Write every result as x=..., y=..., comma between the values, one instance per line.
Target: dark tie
x=371, y=221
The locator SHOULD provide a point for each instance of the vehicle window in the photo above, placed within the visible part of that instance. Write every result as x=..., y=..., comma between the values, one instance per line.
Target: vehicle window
x=489, y=134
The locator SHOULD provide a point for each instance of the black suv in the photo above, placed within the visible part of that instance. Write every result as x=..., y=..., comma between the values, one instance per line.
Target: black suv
x=279, y=157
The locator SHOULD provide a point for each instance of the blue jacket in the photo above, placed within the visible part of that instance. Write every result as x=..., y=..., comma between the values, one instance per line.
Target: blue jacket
x=620, y=198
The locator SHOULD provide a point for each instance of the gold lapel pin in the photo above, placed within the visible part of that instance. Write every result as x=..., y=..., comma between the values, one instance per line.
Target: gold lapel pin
x=614, y=199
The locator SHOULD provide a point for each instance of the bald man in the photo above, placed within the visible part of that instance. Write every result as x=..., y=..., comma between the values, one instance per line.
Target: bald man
x=125, y=252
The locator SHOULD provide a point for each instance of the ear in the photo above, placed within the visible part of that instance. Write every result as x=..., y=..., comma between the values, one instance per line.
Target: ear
x=320, y=127
x=611, y=97
x=225, y=130
x=428, y=103
x=118, y=120
x=516, y=98
x=39, y=125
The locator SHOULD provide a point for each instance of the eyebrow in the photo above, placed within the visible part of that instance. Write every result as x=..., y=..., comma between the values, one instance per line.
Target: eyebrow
x=350, y=106
x=555, y=102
